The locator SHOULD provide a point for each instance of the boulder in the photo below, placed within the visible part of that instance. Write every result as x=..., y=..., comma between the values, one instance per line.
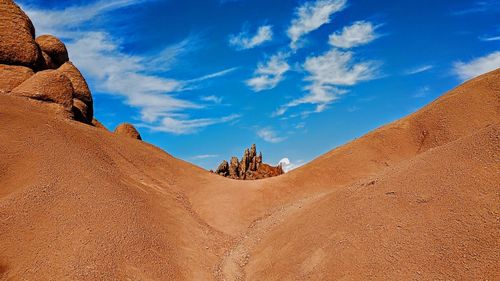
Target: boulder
x=82, y=112
x=17, y=37
x=53, y=47
x=126, y=129
x=48, y=86
x=46, y=62
x=12, y=76
x=80, y=86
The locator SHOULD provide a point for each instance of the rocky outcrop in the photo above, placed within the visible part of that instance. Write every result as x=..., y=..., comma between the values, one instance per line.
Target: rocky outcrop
x=17, y=37
x=126, y=129
x=40, y=69
x=12, y=76
x=54, y=48
x=250, y=167
x=48, y=86
x=82, y=98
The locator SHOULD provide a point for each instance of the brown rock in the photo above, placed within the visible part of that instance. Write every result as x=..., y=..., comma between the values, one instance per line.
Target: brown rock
x=82, y=112
x=128, y=130
x=81, y=89
x=17, y=44
x=48, y=86
x=98, y=124
x=12, y=76
x=80, y=86
x=53, y=47
x=223, y=169
x=46, y=62
x=234, y=168
x=249, y=168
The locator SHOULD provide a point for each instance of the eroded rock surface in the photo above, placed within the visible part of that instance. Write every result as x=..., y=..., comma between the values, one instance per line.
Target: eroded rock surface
x=250, y=167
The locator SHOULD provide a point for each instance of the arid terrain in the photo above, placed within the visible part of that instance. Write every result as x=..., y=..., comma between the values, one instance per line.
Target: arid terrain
x=417, y=199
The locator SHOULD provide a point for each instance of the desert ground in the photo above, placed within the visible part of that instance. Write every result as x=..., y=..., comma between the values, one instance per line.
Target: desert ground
x=416, y=199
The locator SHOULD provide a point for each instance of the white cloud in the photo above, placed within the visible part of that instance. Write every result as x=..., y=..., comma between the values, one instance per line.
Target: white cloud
x=357, y=34
x=326, y=73
x=242, y=41
x=205, y=156
x=477, y=66
x=61, y=22
x=489, y=39
x=419, y=69
x=182, y=127
x=110, y=70
x=288, y=165
x=270, y=135
x=212, y=98
x=311, y=15
x=269, y=74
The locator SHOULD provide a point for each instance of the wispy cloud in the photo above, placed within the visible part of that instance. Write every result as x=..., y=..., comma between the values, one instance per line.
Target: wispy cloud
x=477, y=66
x=357, y=34
x=326, y=73
x=212, y=98
x=419, y=69
x=312, y=15
x=483, y=6
x=135, y=78
x=488, y=39
x=269, y=74
x=244, y=41
x=205, y=156
x=182, y=127
x=269, y=135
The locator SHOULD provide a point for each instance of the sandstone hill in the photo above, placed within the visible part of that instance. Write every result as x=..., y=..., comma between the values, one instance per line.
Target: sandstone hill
x=416, y=199
x=250, y=167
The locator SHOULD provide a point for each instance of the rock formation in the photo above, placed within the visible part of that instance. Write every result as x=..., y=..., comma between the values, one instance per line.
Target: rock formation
x=17, y=37
x=250, y=167
x=126, y=129
x=39, y=69
x=54, y=48
x=48, y=86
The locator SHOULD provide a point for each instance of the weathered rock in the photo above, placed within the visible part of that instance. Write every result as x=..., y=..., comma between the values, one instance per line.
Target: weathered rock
x=17, y=36
x=82, y=91
x=46, y=62
x=82, y=112
x=249, y=168
x=80, y=87
x=223, y=169
x=234, y=168
x=48, y=86
x=53, y=47
x=126, y=129
x=98, y=124
x=12, y=76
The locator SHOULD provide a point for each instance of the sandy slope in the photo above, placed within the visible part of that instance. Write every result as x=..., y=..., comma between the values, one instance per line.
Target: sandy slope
x=416, y=199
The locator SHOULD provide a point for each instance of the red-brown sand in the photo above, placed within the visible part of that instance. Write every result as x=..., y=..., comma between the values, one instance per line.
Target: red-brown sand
x=417, y=199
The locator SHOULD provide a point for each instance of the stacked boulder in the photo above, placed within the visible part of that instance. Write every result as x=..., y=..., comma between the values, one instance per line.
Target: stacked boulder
x=250, y=167
x=39, y=68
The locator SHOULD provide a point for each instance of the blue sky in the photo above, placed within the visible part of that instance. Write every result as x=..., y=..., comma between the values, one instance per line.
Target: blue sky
x=205, y=79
